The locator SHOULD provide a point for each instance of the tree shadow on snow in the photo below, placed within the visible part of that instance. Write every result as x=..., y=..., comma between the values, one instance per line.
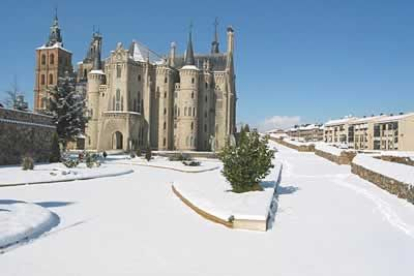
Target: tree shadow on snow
x=268, y=184
x=286, y=190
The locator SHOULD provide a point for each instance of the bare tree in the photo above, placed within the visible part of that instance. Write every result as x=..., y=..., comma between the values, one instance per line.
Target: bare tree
x=12, y=94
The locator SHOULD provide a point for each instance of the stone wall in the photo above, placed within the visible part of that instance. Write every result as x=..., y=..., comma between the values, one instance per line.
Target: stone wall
x=24, y=133
x=397, y=159
x=301, y=148
x=393, y=186
x=344, y=159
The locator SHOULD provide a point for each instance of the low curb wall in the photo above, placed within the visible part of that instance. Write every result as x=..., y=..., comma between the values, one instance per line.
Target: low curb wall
x=400, y=189
x=344, y=159
x=301, y=148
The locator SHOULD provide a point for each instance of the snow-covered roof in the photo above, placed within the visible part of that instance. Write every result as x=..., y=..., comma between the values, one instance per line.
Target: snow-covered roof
x=139, y=52
x=54, y=46
x=190, y=67
x=366, y=120
x=395, y=118
x=97, y=72
x=340, y=121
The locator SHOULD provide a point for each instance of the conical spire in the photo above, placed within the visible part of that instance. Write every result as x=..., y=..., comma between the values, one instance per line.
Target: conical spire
x=215, y=43
x=54, y=36
x=189, y=53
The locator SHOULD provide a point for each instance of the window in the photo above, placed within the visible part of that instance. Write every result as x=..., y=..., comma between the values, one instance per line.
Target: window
x=165, y=94
x=42, y=79
x=118, y=71
x=122, y=103
x=164, y=142
x=43, y=59
x=194, y=111
x=50, y=79
x=206, y=84
x=52, y=59
x=192, y=125
x=192, y=80
x=206, y=98
x=192, y=95
x=166, y=80
x=139, y=77
x=175, y=110
x=118, y=100
x=165, y=125
x=165, y=111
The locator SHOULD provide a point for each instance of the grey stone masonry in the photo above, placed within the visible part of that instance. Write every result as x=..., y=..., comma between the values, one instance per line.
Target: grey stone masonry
x=24, y=133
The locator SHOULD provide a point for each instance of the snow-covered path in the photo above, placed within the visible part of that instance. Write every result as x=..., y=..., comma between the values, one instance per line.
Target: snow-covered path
x=329, y=222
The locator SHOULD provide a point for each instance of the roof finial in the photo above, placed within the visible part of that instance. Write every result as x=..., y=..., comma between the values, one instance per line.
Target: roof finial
x=215, y=43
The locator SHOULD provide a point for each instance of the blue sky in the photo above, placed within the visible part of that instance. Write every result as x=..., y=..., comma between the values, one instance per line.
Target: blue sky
x=296, y=61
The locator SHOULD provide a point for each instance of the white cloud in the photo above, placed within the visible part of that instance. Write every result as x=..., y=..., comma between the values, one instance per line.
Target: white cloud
x=282, y=122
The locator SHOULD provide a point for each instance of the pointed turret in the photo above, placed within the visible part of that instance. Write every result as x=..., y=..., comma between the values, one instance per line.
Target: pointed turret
x=54, y=36
x=215, y=43
x=189, y=53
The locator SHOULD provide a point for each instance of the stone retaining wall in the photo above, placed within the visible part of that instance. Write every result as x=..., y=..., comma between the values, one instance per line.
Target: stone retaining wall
x=24, y=133
x=301, y=148
x=344, y=159
x=393, y=186
x=397, y=159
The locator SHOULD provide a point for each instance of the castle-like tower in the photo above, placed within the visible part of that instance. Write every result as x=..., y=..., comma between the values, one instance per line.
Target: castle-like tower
x=137, y=99
x=52, y=62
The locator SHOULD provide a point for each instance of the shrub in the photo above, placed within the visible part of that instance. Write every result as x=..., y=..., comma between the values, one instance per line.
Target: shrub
x=104, y=154
x=148, y=154
x=139, y=153
x=27, y=163
x=246, y=164
x=192, y=163
x=55, y=154
x=70, y=163
x=180, y=157
x=132, y=154
x=91, y=159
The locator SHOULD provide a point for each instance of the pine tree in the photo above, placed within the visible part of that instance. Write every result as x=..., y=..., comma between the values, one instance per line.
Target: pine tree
x=67, y=106
x=55, y=154
x=246, y=164
x=148, y=154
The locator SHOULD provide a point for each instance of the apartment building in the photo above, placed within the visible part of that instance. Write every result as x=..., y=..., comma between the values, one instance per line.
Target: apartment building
x=307, y=133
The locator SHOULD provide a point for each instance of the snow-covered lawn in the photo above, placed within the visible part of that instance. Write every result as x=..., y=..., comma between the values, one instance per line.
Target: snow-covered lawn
x=402, y=173
x=56, y=172
x=163, y=162
x=213, y=195
x=21, y=221
x=328, y=222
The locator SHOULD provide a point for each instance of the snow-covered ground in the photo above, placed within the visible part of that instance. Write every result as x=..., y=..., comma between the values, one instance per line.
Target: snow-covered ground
x=328, y=222
x=20, y=221
x=56, y=172
x=163, y=162
x=329, y=149
x=213, y=196
x=397, y=171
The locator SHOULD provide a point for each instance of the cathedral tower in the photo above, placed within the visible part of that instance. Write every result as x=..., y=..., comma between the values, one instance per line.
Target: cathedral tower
x=52, y=62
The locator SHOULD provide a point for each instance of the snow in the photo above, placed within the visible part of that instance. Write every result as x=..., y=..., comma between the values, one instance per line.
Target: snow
x=298, y=143
x=56, y=172
x=20, y=221
x=394, y=118
x=58, y=45
x=99, y=72
x=25, y=123
x=213, y=196
x=190, y=67
x=329, y=149
x=340, y=121
x=400, y=172
x=328, y=222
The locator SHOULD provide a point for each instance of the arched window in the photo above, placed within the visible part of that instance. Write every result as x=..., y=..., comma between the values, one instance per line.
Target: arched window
x=139, y=77
x=165, y=80
x=165, y=125
x=192, y=80
x=122, y=103
x=185, y=111
x=165, y=111
x=50, y=79
x=118, y=71
x=52, y=59
x=43, y=59
x=118, y=100
x=42, y=79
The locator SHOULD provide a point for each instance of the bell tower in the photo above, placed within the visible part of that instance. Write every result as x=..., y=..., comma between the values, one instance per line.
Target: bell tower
x=52, y=62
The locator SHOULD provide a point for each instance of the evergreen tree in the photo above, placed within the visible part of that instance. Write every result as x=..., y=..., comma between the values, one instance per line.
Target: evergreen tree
x=246, y=164
x=55, y=154
x=67, y=106
x=148, y=154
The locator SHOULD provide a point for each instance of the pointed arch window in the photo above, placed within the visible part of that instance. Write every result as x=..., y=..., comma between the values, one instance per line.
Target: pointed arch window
x=118, y=100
